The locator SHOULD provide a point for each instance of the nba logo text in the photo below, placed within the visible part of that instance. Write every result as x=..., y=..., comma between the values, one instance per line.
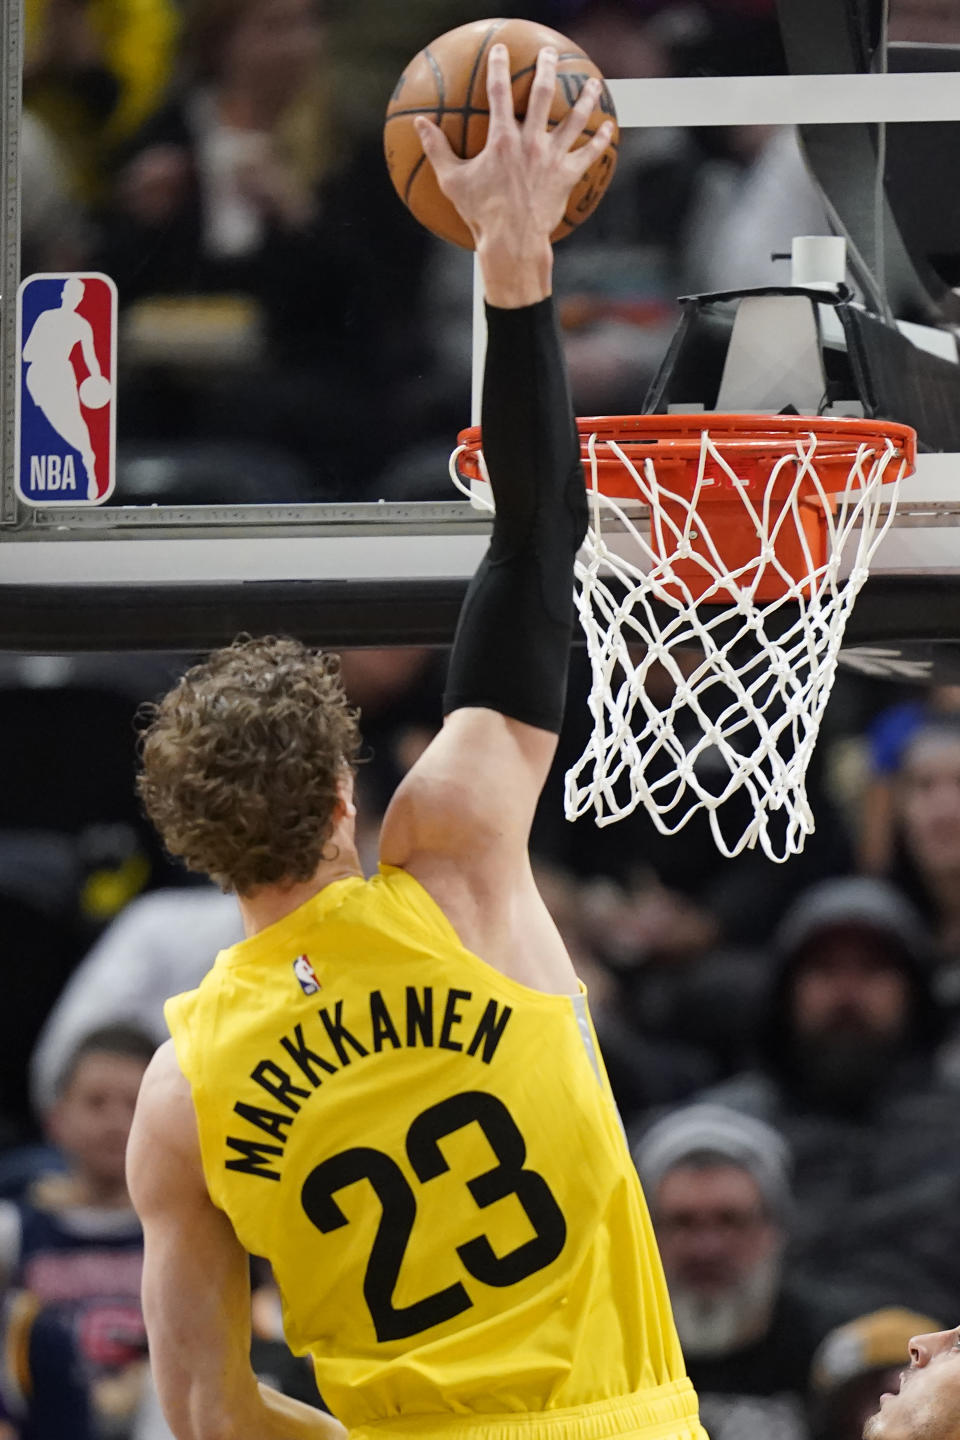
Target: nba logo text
x=66, y=386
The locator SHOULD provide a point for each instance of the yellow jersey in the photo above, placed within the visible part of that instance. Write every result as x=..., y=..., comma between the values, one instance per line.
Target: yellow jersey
x=430, y=1156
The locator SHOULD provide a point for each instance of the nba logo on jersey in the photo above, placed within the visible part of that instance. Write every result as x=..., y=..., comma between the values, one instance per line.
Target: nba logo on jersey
x=306, y=976
x=66, y=377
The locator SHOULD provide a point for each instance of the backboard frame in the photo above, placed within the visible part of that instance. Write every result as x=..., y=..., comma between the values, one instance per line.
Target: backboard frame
x=11, y=60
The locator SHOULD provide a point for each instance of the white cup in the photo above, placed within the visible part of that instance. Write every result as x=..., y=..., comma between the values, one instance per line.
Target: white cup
x=819, y=262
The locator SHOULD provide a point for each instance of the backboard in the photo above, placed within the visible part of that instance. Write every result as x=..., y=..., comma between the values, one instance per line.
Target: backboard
x=156, y=569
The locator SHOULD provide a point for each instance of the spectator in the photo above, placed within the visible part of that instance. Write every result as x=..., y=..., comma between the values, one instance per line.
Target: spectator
x=237, y=216
x=857, y=1363
x=889, y=736
x=75, y=1244
x=750, y=204
x=159, y=944
x=38, y=918
x=718, y=1186
x=926, y=815
x=910, y=829
x=53, y=235
x=43, y=1388
x=93, y=71
x=846, y=1070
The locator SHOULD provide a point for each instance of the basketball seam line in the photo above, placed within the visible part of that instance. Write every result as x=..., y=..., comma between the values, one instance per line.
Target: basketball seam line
x=487, y=39
x=439, y=81
x=440, y=112
x=412, y=176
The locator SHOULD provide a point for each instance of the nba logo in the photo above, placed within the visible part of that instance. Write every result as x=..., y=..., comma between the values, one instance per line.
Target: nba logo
x=306, y=975
x=66, y=377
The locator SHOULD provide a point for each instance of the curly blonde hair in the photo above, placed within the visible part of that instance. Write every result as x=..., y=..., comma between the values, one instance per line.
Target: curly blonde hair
x=242, y=760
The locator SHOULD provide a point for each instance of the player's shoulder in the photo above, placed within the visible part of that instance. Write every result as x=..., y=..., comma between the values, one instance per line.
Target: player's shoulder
x=164, y=1086
x=163, y=1152
x=165, y=1103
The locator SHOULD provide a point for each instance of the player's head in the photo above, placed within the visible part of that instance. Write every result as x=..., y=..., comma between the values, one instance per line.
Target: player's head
x=855, y=1364
x=248, y=764
x=718, y=1188
x=72, y=292
x=96, y=1095
x=926, y=1406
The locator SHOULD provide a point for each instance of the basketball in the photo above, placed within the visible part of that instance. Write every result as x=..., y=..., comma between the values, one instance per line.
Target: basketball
x=447, y=82
x=95, y=392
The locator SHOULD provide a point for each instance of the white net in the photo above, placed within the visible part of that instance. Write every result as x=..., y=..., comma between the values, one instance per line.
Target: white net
x=714, y=708
x=706, y=696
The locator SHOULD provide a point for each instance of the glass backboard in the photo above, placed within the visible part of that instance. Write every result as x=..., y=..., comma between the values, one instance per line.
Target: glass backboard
x=296, y=356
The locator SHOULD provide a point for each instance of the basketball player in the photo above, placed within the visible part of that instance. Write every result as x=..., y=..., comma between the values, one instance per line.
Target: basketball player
x=391, y=1088
x=927, y=1405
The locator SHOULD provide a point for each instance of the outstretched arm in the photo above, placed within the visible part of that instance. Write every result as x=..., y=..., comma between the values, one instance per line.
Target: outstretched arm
x=472, y=795
x=196, y=1283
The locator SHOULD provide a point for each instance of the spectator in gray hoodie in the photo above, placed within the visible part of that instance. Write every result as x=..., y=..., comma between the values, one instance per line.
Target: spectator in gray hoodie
x=845, y=1069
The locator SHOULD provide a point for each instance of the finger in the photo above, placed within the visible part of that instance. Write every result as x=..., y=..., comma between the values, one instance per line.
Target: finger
x=574, y=122
x=436, y=147
x=584, y=155
x=500, y=91
x=542, y=90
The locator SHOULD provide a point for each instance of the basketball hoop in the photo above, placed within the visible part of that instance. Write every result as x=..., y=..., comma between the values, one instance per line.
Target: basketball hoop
x=723, y=557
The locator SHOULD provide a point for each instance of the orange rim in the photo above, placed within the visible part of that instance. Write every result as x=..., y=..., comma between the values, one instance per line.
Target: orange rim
x=675, y=440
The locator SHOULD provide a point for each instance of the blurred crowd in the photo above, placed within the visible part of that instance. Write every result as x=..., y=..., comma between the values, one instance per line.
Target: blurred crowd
x=783, y=1041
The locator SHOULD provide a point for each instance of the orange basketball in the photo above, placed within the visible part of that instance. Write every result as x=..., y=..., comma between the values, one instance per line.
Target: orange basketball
x=447, y=82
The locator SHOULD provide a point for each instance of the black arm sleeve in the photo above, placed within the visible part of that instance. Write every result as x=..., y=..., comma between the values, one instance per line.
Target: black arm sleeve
x=512, y=645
